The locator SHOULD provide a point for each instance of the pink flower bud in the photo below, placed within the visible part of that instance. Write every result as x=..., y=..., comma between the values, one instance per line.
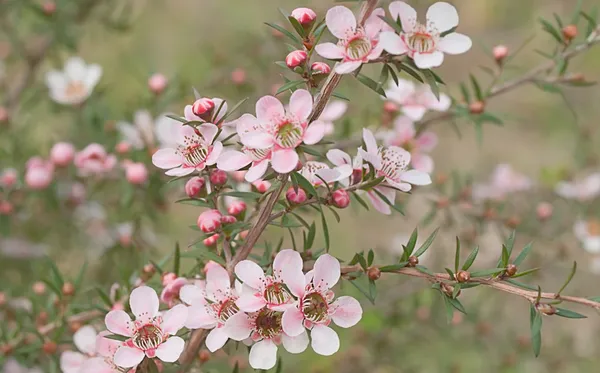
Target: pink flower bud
x=295, y=197
x=228, y=219
x=211, y=241
x=210, y=264
x=157, y=83
x=194, y=186
x=168, y=277
x=390, y=107
x=295, y=59
x=39, y=288
x=38, y=177
x=500, y=52
x=238, y=176
x=8, y=177
x=320, y=68
x=236, y=207
x=304, y=16
x=6, y=208
x=62, y=153
x=3, y=115
x=118, y=306
x=244, y=234
x=218, y=177
x=544, y=211
x=123, y=147
x=203, y=107
x=49, y=8
x=340, y=198
x=2, y=299
x=261, y=186
x=238, y=76
x=136, y=173
x=209, y=221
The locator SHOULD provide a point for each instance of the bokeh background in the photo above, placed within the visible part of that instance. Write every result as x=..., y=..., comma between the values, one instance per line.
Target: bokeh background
x=215, y=45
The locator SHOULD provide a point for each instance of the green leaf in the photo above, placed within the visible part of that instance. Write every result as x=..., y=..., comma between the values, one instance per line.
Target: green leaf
x=193, y=202
x=116, y=337
x=412, y=241
x=520, y=284
x=310, y=238
x=465, y=92
x=297, y=26
x=285, y=32
x=233, y=109
x=450, y=273
x=393, y=74
x=293, y=239
x=372, y=183
x=393, y=267
x=423, y=269
x=430, y=78
x=372, y=290
x=177, y=118
x=427, y=243
x=340, y=96
x=325, y=231
x=523, y=254
x=367, y=294
x=457, y=255
x=387, y=201
x=58, y=279
x=504, y=257
x=370, y=257
x=470, y=259
x=536, y=330
x=487, y=272
x=383, y=77
x=476, y=87
x=449, y=308
x=409, y=70
x=525, y=273
x=576, y=12
x=457, y=305
x=203, y=252
x=243, y=195
x=103, y=296
x=370, y=83
x=177, y=259
x=569, y=314
x=550, y=29
x=360, y=200
x=392, y=23
x=571, y=275
x=489, y=118
x=289, y=86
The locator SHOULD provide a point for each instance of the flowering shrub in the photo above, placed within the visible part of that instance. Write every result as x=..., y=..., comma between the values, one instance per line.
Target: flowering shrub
x=290, y=165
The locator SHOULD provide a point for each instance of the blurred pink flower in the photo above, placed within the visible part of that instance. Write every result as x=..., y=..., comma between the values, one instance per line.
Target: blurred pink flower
x=504, y=180
x=38, y=173
x=146, y=131
x=95, y=351
x=172, y=287
x=588, y=233
x=93, y=160
x=584, y=189
x=405, y=136
x=333, y=111
x=62, y=153
x=136, y=173
x=8, y=177
x=157, y=83
x=318, y=172
x=415, y=99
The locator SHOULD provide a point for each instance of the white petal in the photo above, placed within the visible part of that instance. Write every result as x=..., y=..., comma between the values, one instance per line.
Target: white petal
x=301, y=103
x=238, y=327
x=297, y=344
x=263, y=355
x=170, y=350
x=407, y=14
x=340, y=21
x=392, y=43
x=174, y=319
x=250, y=274
x=85, y=339
x=416, y=177
x=325, y=340
x=330, y=51
x=443, y=16
x=348, y=312
x=428, y=60
x=326, y=272
x=216, y=339
x=144, y=302
x=455, y=43
x=347, y=67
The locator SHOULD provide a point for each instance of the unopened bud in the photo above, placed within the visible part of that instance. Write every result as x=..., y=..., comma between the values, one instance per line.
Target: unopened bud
x=209, y=220
x=75, y=326
x=3, y=115
x=228, y=219
x=68, y=289
x=6, y=208
x=49, y=347
x=39, y=288
x=123, y=147
x=157, y=83
x=513, y=222
x=576, y=77
x=204, y=356
x=511, y=270
x=235, y=208
x=477, y=107
x=500, y=52
x=320, y=68
x=193, y=186
x=203, y=108
x=413, y=261
x=218, y=177
x=295, y=59
x=463, y=276
x=305, y=16
x=442, y=202
x=296, y=197
x=261, y=186
x=41, y=318
x=149, y=269
x=489, y=213
x=374, y=273
x=340, y=198
x=6, y=349
x=546, y=309
x=390, y=107
x=569, y=32
x=49, y=8
x=211, y=241
x=2, y=299
x=448, y=289
x=238, y=76
x=441, y=178
x=544, y=211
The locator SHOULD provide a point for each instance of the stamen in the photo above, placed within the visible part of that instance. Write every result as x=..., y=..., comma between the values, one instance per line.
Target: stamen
x=268, y=323
x=148, y=337
x=315, y=308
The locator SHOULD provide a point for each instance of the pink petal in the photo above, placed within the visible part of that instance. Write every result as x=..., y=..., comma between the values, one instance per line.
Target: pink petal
x=233, y=160
x=392, y=43
x=199, y=318
x=208, y=131
x=189, y=114
x=85, y=339
x=263, y=355
x=98, y=365
x=338, y=157
x=257, y=140
x=414, y=112
x=180, y=171
x=144, y=303
x=217, y=282
x=443, y=16
x=442, y=104
x=246, y=123
x=214, y=153
x=292, y=322
x=105, y=346
x=250, y=274
x=297, y=344
x=330, y=51
x=191, y=294
x=374, y=23
x=166, y=158
x=174, y=319
x=250, y=302
x=269, y=109
x=127, y=357
x=371, y=158
x=295, y=281
x=405, y=129
x=256, y=171
x=407, y=14
x=238, y=327
x=301, y=103
x=348, y=312
x=370, y=141
x=422, y=162
x=340, y=21
x=119, y=322
x=71, y=362
x=427, y=141
x=455, y=43
x=326, y=272
x=284, y=160
x=333, y=111
x=416, y=177
x=216, y=339
x=170, y=350
x=314, y=133
x=223, y=111
x=347, y=67
x=375, y=52
x=378, y=203
x=325, y=340
x=428, y=60
x=287, y=260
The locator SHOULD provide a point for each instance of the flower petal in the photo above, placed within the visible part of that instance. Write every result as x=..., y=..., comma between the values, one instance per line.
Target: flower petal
x=297, y=344
x=348, y=312
x=106, y=347
x=414, y=112
x=325, y=340
x=191, y=294
x=256, y=171
x=284, y=160
x=269, y=109
x=249, y=302
x=170, y=350
x=76, y=69
x=174, y=319
x=340, y=21
x=428, y=60
x=166, y=158
x=326, y=272
x=370, y=142
x=85, y=339
x=287, y=260
x=330, y=51
x=216, y=339
x=217, y=282
x=199, y=318
x=250, y=274
x=180, y=171
x=208, y=131
x=291, y=322
x=92, y=77
x=347, y=67
x=70, y=362
x=338, y=157
x=374, y=23
x=443, y=16
x=427, y=141
x=232, y=160
x=215, y=153
x=407, y=14
x=333, y=111
x=455, y=43
x=166, y=130
x=314, y=133
x=119, y=322
x=144, y=303
x=378, y=203
x=263, y=355
x=301, y=103
x=97, y=365
x=257, y=140
x=218, y=102
x=392, y=43
x=416, y=177
x=422, y=162
x=127, y=357
x=246, y=123
x=238, y=327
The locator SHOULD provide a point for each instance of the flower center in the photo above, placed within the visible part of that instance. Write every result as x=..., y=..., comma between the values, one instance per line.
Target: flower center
x=315, y=307
x=310, y=169
x=75, y=89
x=148, y=337
x=268, y=323
x=358, y=48
x=393, y=163
x=257, y=154
x=289, y=134
x=227, y=309
x=421, y=40
x=276, y=294
x=194, y=151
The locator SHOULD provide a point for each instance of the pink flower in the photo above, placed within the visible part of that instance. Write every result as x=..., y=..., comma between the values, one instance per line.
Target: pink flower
x=415, y=100
x=340, y=158
x=203, y=108
x=157, y=83
x=295, y=59
x=214, y=314
x=500, y=52
x=424, y=43
x=96, y=353
x=584, y=189
x=136, y=173
x=193, y=186
x=316, y=308
x=318, y=172
x=356, y=45
x=196, y=149
x=504, y=180
x=261, y=186
x=62, y=153
x=209, y=220
x=332, y=112
x=392, y=163
x=266, y=291
x=171, y=290
x=405, y=136
x=145, y=131
x=151, y=334
x=39, y=174
x=544, y=210
x=304, y=16
x=8, y=178
x=93, y=160
x=193, y=293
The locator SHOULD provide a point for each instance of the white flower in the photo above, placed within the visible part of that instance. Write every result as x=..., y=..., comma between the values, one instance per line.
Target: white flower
x=145, y=130
x=75, y=84
x=415, y=100
x=588, y=233
x=582, y=190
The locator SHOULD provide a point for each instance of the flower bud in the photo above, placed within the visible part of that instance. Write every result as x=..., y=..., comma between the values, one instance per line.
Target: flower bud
x=513, y=221
x=6, y=349
x=194, y=186
x=49, y=7
x=295, y=197
x=340, y=198
x=500, y=52
x=218, y=177
x=2, y=299
x=168, y=277
x=74, y=326
x=49, y=347
x=374, y=273
x=569, y=32
x=6, y=208
x=413, y=261
x=123, y=147
x=149, y=269
x=462, y=276
x=204, y=356
x=511, y=270
x=544, y=211
x=209, y=221
x=8, y=178
x=3, y=115
x=238, y=176
x=390, y=107
x=39, y=177
x=244, y=234
x=211, y=241
x=295, y=59
x=477, y=107
x=261, y=186
x=157, y=83
x=238, y=76
x=228, y=219
x=320, y=68
x=117, y=306
x=136, y=173
x=448, y=289
x=39, y=288
x=236, y=207
x=305, y=16
x=62, y=154
x=68, y=289
x=546, y=309
x=203, y=108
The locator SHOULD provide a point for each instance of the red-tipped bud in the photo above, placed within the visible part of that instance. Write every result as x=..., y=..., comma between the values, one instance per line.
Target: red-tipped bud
x=238, y=76
x=340, y=198
x=477, y=107
x=236, y=207
x=39, y=288
x=168, y=277
x=295, y=59
x=6, y=208
x=157, y=83
x=49, y=347
x=228, y=219
x=8, y=178
x=49, y=8
x=211, y=241
x=569, y=32
x=544, y=211
x=204, y=356
x=320, y=68
x=261, y=186
x=203, y=107
x=218, y=177
x=500, y=52
x=305, y=16
x=68, y=289
x=374, y=273
x=296, y=197
x=123, y=147
x=463, y=276
x=194, y=186
x=390, y=107
x=62, y=153
x=209, y=221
